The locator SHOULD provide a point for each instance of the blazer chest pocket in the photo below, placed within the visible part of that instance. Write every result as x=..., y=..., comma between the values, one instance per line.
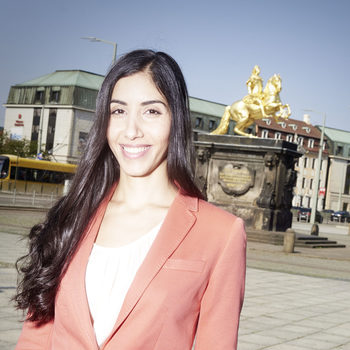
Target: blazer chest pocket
x=184, y=265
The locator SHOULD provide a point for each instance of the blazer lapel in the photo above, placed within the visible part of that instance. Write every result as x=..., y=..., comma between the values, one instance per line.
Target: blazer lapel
x=177, y=223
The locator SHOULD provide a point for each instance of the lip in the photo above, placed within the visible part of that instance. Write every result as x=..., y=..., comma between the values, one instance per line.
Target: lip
x=134, y=151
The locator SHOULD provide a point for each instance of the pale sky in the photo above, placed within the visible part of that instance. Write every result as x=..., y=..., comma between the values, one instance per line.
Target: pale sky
x=216, y=43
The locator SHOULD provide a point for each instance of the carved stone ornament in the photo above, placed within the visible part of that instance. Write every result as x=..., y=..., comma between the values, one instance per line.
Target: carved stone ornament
x=236, y=179
x=203, y=154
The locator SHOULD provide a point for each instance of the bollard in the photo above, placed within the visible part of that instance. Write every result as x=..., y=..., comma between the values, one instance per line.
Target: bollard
x=289, y=241
x=314, y=230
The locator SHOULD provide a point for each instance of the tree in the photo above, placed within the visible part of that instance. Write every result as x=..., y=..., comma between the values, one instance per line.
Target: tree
x=22, y=148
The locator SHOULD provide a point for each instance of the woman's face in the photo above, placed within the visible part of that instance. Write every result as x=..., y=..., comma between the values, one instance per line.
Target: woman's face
x=139, y=126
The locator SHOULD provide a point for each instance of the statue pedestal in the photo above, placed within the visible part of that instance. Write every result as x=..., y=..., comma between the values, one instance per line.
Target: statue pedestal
x=250, y=177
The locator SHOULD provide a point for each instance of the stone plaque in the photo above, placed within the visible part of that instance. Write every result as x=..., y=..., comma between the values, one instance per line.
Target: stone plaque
x=235, y=178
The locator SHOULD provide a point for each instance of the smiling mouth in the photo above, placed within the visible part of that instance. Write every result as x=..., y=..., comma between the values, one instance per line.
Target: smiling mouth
x=134, y=151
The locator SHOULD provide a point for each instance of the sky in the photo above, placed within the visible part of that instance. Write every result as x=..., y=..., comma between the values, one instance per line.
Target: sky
x=216, y=43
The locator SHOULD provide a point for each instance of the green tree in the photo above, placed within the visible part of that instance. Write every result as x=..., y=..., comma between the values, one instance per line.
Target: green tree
x=22, y=148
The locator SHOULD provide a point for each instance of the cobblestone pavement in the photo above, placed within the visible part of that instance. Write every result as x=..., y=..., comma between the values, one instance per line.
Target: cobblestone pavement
x=286, y=307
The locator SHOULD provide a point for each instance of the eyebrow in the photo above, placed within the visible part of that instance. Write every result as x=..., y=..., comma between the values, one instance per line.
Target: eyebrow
x=145, y=103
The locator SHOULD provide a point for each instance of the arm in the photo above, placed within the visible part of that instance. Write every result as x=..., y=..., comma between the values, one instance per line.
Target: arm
x=223, y=299
x=34, y=337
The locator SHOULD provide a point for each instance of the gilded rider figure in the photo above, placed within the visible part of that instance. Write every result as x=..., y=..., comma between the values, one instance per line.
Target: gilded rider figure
x=255, y=90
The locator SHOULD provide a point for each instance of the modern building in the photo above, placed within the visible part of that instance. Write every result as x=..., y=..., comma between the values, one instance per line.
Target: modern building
x=338, y=184
x=57, y=110
x=308, y=138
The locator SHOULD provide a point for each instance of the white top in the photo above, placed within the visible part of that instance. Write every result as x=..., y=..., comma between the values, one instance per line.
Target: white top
x=109, y=274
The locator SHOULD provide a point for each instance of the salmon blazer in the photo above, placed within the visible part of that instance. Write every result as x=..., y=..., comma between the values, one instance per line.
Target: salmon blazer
x=190, y=285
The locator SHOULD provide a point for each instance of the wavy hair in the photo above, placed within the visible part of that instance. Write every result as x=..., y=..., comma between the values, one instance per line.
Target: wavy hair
x=53, y=243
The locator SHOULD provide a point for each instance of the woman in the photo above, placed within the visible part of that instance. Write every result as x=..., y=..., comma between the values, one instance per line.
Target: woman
x=133, y=257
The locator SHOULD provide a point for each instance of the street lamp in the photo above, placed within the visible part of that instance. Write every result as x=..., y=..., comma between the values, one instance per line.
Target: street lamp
x=93, y=39
x=318, y=170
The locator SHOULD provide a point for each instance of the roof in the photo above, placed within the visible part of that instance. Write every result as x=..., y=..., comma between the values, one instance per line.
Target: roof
x=290, y=126
x=206, y=107
x=67, y=78
x=337, y=135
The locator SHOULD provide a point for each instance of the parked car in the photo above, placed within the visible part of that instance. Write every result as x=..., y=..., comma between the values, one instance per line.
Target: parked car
x=340, y=216
x=305, y=214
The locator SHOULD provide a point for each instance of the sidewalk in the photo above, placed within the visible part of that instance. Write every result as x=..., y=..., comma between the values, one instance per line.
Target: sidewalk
x=285, y=307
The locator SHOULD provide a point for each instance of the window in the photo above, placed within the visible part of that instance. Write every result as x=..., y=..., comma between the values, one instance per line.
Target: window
x=313, y=163
x=339, y=151
x=39, y=96
x=278, y=135
x=83, y=136
x=305, y=162
x=51, y=125
x=55, y=96
x=303, y=183
x=265, y=134
x=36, y=124
x=289, y=138
x=310, y=143
x=311, y=181
x=300, y=140
x=199, y=122
x=212, y=124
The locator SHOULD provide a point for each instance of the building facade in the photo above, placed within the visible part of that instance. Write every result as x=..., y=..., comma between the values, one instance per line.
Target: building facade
x=308, y=138
x=338, y=184
x=57, y=110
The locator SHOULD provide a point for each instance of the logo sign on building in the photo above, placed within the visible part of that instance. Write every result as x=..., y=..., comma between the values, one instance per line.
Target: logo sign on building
x=322, y=191
x=17, y=131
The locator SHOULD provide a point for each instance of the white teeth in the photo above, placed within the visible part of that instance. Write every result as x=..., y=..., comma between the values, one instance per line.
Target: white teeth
x=135, y=149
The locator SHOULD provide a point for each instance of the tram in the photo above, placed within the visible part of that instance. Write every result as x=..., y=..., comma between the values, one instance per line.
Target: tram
x=31, y=175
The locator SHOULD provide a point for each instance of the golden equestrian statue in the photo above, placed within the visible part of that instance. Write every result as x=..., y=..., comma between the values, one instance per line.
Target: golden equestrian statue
x=258, y=104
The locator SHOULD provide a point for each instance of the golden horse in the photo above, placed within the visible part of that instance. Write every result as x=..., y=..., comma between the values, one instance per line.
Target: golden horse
x=253, y=107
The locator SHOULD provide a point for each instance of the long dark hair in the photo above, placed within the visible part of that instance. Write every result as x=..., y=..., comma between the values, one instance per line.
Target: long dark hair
x=53, y=243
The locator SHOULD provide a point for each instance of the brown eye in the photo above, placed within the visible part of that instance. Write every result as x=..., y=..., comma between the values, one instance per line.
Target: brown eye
x=118, y=111
x=152, y=111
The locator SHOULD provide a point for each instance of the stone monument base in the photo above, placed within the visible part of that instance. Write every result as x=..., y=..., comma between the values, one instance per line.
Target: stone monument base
x=250, y=177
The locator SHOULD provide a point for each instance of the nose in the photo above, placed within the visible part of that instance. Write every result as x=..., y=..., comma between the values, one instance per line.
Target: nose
x=133, y=128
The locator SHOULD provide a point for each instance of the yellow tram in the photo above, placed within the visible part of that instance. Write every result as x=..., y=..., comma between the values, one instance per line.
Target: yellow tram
x=28, y=175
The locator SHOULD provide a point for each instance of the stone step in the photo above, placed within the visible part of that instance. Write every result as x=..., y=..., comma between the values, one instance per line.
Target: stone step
x=316, y=242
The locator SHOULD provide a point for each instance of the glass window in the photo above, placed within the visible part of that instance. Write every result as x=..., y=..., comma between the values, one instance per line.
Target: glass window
x=212, y=124
x=310, y=143
x=55, y=96
x=339, y=151
x=289, y=138
x=265, y=134
x=198, y=122
x=36, y=124
x=278, y=135
x=51, y=130
x=39, y=96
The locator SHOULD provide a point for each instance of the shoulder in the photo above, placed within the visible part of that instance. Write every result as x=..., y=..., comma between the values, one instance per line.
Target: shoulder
x=214, y=212
x=214, y=219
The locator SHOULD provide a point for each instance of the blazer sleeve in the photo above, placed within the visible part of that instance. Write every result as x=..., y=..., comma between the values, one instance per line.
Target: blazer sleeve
x=35, y=337
x=223, y=299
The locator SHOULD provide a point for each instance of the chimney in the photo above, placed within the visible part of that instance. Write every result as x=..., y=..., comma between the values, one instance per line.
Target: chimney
x=307, y=119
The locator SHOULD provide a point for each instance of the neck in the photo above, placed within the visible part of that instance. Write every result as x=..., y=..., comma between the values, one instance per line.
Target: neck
x=138, y=192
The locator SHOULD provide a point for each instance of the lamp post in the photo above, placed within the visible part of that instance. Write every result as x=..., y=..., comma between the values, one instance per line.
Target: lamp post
x=93, y=39
x=318, y=170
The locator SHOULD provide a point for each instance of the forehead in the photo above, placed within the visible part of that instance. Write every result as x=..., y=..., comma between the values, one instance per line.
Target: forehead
x=137, y=86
